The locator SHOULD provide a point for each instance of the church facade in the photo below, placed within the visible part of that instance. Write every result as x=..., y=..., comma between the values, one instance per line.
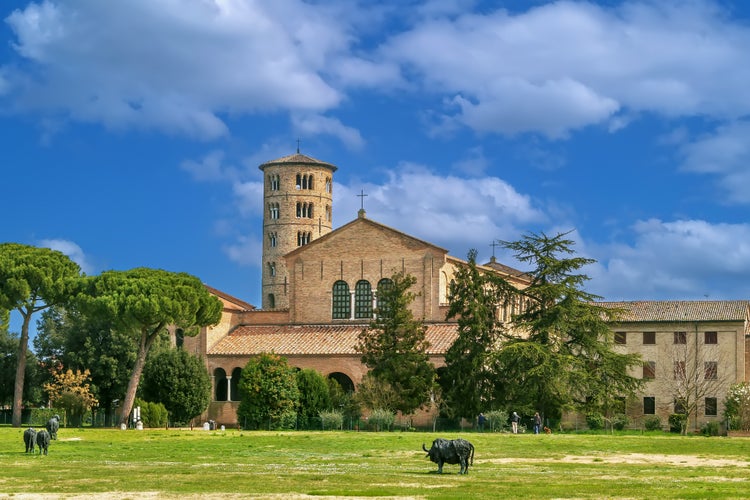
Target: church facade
x=320, y=289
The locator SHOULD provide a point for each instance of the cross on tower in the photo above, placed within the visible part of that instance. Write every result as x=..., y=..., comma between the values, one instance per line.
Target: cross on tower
x=493, y=245
x=297, y=146
x=361, y=197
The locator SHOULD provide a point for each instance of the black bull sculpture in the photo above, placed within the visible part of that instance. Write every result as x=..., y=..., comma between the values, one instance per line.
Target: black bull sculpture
x=451, y=451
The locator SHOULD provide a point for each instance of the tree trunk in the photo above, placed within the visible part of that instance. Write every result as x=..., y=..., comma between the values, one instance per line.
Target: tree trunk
x=23, y=347
x=135, y=377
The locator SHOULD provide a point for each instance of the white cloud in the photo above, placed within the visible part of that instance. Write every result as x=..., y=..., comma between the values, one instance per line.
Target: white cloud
x=726, y=153
x=210, y=168
x=689, y=259
x=70, y=249
x=565, y=65
x=312, y=124
x=177, y=65
x=454, y=213
x=246, y=251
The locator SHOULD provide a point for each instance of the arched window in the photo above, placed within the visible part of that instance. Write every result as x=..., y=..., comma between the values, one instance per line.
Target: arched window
x=273, y=237
x=310, y=182
x=363, y=299
x=272, y=268
x=274, y=182
x=220, y=385
x=328, y=213
x=303, y=238
x=273, y=209
x=235, y=384
x=341, y=300
x=304, y=210
x=383, y=304
x=271, y=300
x=298, y=183
x=443, y=285
x=329, y=185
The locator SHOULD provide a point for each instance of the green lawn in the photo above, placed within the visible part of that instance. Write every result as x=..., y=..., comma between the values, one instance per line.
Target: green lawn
x=184, y=463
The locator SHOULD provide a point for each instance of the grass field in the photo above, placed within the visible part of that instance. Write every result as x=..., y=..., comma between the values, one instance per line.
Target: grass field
x=98, y=463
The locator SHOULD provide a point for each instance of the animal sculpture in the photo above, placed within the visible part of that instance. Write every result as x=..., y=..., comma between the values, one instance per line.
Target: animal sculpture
x=53, y=425
x=451, y=451
x=42, y=441
x=29, y=439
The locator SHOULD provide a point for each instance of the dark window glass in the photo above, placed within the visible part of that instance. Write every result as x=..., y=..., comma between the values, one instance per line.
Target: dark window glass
x=341, y=300
x=363, y=299
x=649, y=405
x=649, y=338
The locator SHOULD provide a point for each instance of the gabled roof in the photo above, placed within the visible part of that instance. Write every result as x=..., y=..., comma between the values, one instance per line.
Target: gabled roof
x=298, y=159
x=315, y=340
x=360, y=221
x=230, y=302
x=681, y=310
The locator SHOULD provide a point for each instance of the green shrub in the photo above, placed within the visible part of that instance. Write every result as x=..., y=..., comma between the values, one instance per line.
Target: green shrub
x=497, y=420
x=652, y=423
x=620, y=421
x=677, y=421
x=382, y=419
x=153, y=415
x=595, y=421
x=710, y=429
x=331, y=419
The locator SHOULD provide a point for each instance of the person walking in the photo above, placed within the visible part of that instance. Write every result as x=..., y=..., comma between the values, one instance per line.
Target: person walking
x=481, y=420
x=537, y=423
x=514, y=419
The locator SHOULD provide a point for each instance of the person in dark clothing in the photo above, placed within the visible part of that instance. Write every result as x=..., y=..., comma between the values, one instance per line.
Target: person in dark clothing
x=481, y=420
x=537, y=423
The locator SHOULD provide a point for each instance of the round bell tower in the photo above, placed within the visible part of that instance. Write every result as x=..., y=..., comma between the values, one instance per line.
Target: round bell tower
x=297, y=209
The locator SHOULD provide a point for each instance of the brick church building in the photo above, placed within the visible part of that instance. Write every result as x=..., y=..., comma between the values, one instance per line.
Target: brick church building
x=319, y=290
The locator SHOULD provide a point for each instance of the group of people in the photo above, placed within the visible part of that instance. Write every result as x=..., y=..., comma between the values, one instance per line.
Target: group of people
x=515, y=419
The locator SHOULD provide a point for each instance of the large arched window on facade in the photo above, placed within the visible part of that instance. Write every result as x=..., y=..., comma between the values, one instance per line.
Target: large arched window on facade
x=341, y=300
x=220, y=385
x=235, y=384
x=383, y=286
x=363, y=299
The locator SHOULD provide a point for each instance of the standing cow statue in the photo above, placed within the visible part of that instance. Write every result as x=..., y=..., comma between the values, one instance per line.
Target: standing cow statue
x=53, y=425
x=451, y=451
x=29, y=439
x=42, y=441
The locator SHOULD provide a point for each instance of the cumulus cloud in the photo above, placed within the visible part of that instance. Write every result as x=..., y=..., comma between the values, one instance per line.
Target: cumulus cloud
x=562, y=66
x=689, y=259
x=211, y=167
x=178, y=65
x=455, y=213
x=70, y=249
x=725, y=153
x=311, y=125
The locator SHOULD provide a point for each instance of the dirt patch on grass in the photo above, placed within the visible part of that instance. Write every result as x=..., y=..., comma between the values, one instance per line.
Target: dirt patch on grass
x=126, y=495
x=632, y=458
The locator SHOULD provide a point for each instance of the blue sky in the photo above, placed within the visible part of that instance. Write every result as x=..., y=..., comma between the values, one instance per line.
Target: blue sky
x=131, y=132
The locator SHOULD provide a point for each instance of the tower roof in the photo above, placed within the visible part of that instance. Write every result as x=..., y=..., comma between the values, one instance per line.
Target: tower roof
x=298, y=159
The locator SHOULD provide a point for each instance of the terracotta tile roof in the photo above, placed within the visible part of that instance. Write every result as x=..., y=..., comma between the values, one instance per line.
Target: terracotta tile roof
x=682, y=310
x=229, y=300
x=314, y=340
x=297, y=159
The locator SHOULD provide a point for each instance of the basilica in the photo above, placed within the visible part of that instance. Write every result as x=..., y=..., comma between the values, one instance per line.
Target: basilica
x=320, y=289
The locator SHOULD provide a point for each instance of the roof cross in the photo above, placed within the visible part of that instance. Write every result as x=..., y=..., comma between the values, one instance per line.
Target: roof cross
x=361, y=197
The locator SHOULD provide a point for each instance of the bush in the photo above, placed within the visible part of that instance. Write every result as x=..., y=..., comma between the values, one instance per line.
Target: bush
x=710, y=429
x=595, y=421
x=677, y=422
x=497, y=420
x=652, y=423
x=382, y=419
x=331, y=419
x=153, y=415
x=620, y=421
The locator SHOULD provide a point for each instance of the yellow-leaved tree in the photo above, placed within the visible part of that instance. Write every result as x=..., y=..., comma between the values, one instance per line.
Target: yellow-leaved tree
x=70, y=390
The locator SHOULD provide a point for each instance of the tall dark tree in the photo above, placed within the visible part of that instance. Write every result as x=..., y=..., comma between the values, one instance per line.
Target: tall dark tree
x=32, y=392
x=394, y=346
x=31, y=280
x=560, y=352
x=314, y=396
x=178, y=380
x=468, y=382
x=143, y=302
x=81, y=342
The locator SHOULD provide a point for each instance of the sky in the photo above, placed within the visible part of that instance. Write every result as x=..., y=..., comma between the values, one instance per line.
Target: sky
x=131, y=132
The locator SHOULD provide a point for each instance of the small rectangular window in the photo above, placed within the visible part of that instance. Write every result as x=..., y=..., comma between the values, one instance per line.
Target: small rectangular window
x=649, y=370
x=680, y=337
x=711, y=407
x=711, y=338
x=649, y=405
x=649, y=338
x=621, y=338
x=711, y=368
